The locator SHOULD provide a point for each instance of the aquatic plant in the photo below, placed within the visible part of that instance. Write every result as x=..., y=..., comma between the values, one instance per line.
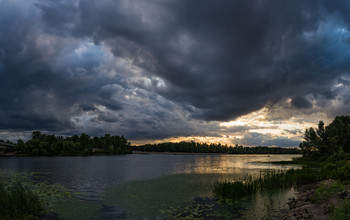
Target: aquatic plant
x=19, y=202
x=269, y=180
x=202, y=208
x=23, y=198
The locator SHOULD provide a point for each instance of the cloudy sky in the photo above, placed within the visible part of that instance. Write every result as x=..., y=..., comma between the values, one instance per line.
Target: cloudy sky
x=254, y=72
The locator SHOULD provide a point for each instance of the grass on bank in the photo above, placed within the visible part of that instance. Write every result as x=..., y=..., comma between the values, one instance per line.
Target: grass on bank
x=271, y=180
x=342, y=212
x=336, y=167
x=22, y=198
x=326, y=190
x=19, y=202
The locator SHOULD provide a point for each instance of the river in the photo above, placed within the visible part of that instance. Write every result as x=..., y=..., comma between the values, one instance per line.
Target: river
x=153, y=186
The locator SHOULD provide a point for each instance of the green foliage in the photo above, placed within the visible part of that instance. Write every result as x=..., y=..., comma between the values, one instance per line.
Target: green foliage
x=342, y=212
x=329, y=140
x=19, y=202
x=338, y=170
x=270, y=180
x=193, y=147
x=326, y=190
x=304, y=176
x=233, y=190
x=47, y=194
x=340, y=155
x=339, y=133
x=49, y=145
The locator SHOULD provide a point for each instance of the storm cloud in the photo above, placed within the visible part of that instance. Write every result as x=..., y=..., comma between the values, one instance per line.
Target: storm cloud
x=157, y=69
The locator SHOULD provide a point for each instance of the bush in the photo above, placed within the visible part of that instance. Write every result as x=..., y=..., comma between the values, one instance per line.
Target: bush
x=339, y=170
x=339, y=156
x=18, y=202
x=342, y=212
x=326, y=190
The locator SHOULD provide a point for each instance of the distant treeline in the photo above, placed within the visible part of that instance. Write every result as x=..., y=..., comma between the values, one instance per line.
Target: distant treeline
x=6, y=142
x=50, y=145
x=194, y=147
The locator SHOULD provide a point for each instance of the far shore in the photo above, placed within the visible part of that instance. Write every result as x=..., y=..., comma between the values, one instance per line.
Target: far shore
x=175, y=153
x=199, y=153
x=137, y=152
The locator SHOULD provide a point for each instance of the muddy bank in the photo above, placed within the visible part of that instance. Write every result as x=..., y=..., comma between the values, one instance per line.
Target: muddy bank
x=309, y=205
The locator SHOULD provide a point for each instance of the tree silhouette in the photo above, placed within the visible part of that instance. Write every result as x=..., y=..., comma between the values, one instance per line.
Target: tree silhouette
x=327, y=140
x=48, y=145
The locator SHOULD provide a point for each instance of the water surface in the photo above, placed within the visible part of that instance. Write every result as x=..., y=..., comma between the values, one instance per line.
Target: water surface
x=147, y=185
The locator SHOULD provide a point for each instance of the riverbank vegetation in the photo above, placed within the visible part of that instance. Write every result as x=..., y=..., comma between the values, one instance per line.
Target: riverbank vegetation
x=23, y=198
x=18, y=202
x=269, y=180
x=342, y=212
x=194, y=147
x=327, y=142
x=51, y=145
x=326, y=155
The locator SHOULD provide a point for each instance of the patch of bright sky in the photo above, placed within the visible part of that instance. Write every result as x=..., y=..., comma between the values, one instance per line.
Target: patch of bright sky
x=291, y=128
x=201, y=139
x=249, y=119
x=91, y=52
x=259, y=123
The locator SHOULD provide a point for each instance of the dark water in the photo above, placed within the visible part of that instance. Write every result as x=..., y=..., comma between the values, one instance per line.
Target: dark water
x=143, y=186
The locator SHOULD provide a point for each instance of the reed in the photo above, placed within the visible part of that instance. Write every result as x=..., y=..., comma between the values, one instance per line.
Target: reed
x=270, y=180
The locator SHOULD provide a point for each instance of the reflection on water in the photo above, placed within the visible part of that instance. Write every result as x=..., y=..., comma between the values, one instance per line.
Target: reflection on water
x=267, y=205
x=141, y=179
x=236, y=163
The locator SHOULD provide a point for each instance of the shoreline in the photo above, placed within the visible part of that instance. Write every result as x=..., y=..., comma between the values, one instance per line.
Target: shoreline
x=136, y=152
x=305, y=206
x=176, y=153
x=200, y=153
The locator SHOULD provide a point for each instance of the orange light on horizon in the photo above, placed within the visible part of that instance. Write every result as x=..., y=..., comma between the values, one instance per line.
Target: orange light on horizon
x=292, y=127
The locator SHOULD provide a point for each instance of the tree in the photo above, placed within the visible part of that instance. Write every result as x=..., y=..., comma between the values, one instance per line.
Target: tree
x=84, y=140
x=338, y=133
x=42, y=144
x=311, y=141
x=36, y=135
x=20, y=145
x=328, y=140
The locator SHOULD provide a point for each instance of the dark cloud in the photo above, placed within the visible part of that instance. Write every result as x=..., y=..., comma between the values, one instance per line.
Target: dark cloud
x=281, y=142
x=129, y=65
x=258, y=139
x=225, y=59
x=300, y=102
